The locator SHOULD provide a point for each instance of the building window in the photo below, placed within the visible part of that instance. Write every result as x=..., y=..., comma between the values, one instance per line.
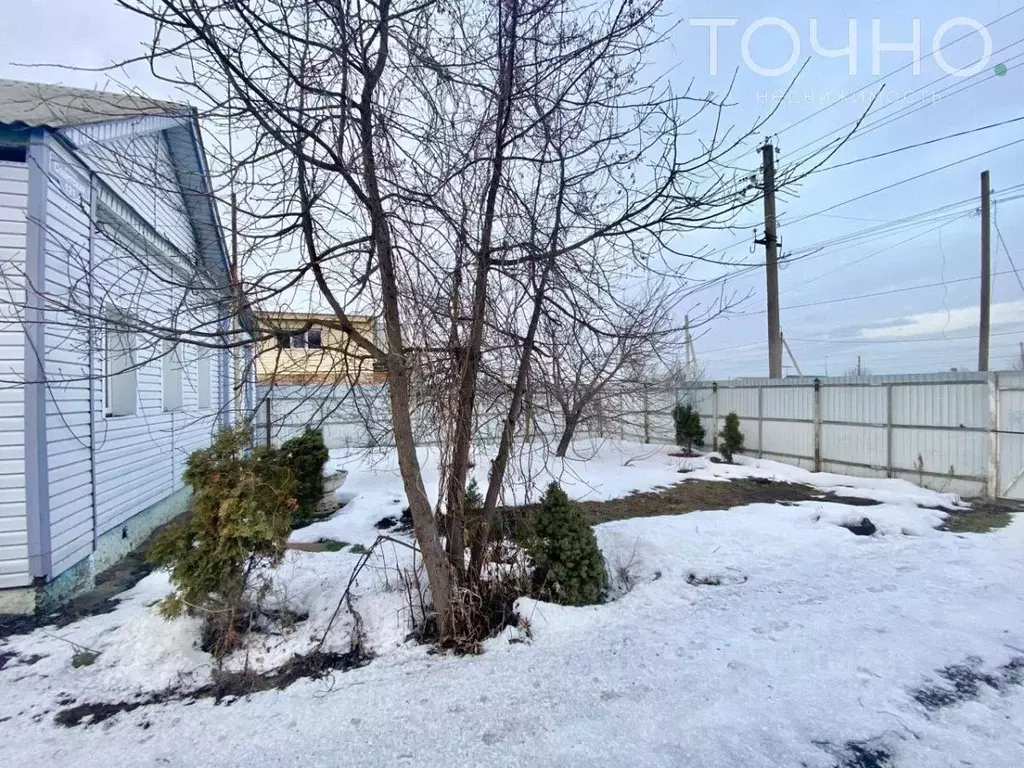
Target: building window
x=300, y=339
x=172, y=376
x=203, y=379
x=120, y=371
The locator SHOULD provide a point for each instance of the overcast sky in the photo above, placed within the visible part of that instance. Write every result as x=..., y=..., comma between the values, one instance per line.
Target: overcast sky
x=923, y=278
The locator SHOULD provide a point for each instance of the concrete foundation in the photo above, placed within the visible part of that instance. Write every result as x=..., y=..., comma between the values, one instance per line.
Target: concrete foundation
x=111, y=547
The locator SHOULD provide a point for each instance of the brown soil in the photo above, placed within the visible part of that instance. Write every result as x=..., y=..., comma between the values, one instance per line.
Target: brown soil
x=226, y=687
x=985, y=515
x=695, y=495
x=706, y=494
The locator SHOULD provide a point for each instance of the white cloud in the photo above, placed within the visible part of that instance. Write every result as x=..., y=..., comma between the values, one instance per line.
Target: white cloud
x=942, y=321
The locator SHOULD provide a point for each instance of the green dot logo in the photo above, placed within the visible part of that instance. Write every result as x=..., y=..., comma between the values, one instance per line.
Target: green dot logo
x=1001, y=69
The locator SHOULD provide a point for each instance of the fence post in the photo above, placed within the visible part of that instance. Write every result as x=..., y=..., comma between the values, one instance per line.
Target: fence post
x=760, y=422
x=817, y=424
x=889, y=470
x=714, y=416
x=992, y=479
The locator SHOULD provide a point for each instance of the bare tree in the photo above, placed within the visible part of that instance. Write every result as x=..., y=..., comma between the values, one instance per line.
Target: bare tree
x=478, y=174
x=586, y=367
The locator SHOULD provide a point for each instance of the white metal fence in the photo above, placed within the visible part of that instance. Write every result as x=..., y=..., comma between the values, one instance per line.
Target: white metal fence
x=359, y=417
x=958, y=432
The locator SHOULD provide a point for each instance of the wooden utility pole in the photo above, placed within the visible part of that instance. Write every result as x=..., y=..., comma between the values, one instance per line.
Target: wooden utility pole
x=986, y=271
x=771, y=262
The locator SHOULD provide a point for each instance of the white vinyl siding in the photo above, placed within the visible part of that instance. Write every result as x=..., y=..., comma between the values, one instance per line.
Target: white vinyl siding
x=138, y=459
x=71, y=373
x=14, y=569
x=139, y=170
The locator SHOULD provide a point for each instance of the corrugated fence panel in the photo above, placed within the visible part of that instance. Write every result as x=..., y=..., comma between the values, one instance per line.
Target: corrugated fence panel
x=742, y=401
x=941, y=405
x=1011, y=437
x=940, y=452
x=858, y=405
x=857, y=445
x=788, y=403
x=789, y=439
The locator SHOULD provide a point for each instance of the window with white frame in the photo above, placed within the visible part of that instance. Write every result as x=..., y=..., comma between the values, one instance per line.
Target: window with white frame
x=172, y=376
x=203, y=379
x=120, y=367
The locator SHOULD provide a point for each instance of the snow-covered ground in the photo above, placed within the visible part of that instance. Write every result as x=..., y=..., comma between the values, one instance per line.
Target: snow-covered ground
x=765, y=635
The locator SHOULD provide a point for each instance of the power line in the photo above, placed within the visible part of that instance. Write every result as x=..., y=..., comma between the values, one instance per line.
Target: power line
x=882, y=120
x=1006, y=250
x=876, y=294
x=886, y=225
x=850, y=240
x=862, y=340
x=784, y=222
x=901, y=69
x=921, y=144
x=908, y=180
x=894, y=355
x=951, y=90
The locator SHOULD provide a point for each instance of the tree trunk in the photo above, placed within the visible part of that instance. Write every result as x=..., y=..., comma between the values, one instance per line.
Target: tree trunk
x=571, y=422
x=463, y=430
x=424, y=526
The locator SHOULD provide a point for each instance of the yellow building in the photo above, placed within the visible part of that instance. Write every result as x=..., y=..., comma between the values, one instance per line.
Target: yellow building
x=298, y=348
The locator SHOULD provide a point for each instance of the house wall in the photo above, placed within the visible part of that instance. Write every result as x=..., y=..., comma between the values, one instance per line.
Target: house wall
x=339, y=359
x=14, y=568
x=105, y=471
x=138, y=170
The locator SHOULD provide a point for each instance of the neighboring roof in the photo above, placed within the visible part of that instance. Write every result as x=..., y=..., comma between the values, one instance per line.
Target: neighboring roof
x=57, y=106
x=327, y=317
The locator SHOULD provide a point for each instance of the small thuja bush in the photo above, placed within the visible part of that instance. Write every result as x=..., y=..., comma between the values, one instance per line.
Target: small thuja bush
x=731, y=439
x=472, y=510
x=239, y=523
x=569, y=568
x=306, y=456
x=689, y=431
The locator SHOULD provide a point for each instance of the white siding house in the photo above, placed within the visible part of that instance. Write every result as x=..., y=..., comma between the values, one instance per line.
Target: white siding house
x=113, y=306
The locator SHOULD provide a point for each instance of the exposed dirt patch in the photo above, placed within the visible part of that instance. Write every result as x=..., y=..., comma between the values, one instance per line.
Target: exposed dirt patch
x=858, y=754
x=695, y=495
x=225, y=688
x=963, y=682
x=984, y=515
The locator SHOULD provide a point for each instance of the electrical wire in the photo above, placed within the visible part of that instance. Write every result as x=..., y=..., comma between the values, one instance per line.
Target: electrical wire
x=920, y=144
x=881, y=118
x=900, y=183
x=862, y=340
x=1006, y=250
x=874, y=295
x=885, y=77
